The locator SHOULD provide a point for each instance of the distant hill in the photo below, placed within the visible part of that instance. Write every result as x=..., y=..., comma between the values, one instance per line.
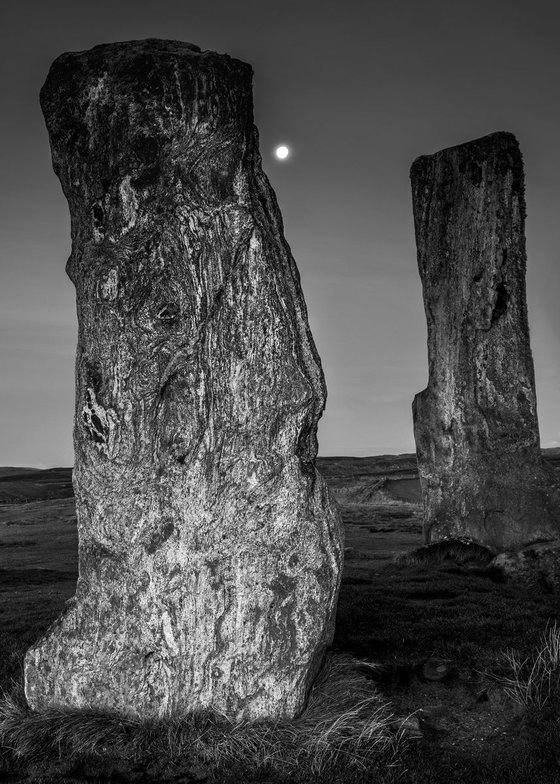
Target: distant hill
x=371, y=480
x=360, y=479
x=6, y=471
x=379, y=465
x=22, y=485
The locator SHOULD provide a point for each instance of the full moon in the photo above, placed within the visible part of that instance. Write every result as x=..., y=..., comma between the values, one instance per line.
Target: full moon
x=282, y=152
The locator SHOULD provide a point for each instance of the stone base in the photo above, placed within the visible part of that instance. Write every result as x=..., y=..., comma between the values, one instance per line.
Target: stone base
x=322, y=736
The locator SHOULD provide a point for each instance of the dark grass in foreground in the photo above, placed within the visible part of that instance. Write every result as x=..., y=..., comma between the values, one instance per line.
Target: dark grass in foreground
x=534, y=681
x=468, y=613
x=396, y=617
x=534, y=756
x=346, y=724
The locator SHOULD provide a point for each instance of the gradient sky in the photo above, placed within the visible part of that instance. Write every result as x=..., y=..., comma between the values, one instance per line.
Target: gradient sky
x=358, y=90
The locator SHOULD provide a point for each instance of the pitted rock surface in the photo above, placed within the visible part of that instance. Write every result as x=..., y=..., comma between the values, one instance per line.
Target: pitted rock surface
x=210, y=552
x=475, y=424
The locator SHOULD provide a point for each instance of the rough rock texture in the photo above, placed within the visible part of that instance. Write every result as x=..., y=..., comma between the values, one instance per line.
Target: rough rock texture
x=537, y=566
x=210, y=552
x=475, y=424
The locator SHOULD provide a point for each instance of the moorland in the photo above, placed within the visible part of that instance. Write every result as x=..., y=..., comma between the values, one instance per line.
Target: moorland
x=456, y=641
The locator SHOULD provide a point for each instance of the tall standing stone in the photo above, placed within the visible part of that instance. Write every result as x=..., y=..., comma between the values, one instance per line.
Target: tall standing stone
x=210, y=552
x=475, y=424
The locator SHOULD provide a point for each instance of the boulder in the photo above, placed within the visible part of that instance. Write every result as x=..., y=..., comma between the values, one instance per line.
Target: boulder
x=435, y=669
x=536, y=566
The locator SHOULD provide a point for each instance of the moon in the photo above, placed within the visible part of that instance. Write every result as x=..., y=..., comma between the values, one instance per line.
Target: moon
x=282, y=152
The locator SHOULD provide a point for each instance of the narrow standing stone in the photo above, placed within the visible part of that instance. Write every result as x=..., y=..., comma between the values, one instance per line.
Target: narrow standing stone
x=210, y=552
x=475, y=424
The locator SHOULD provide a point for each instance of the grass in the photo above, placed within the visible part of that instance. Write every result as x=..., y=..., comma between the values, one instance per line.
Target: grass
x=397, y=617
x=346, y=724
x=401, y=615
x=534, y=681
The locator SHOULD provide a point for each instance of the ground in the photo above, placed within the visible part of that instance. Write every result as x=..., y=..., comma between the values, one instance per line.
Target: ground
x=438, y=630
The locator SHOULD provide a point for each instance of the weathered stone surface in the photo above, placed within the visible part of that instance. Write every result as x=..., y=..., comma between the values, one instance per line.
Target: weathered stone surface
x=210, y=552
x=536, y=566
x=476, y=424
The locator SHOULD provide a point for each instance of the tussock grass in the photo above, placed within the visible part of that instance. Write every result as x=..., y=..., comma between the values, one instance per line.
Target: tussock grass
x=57, y=732
x=534, y=681
x=346, y=722
x=460, y=551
